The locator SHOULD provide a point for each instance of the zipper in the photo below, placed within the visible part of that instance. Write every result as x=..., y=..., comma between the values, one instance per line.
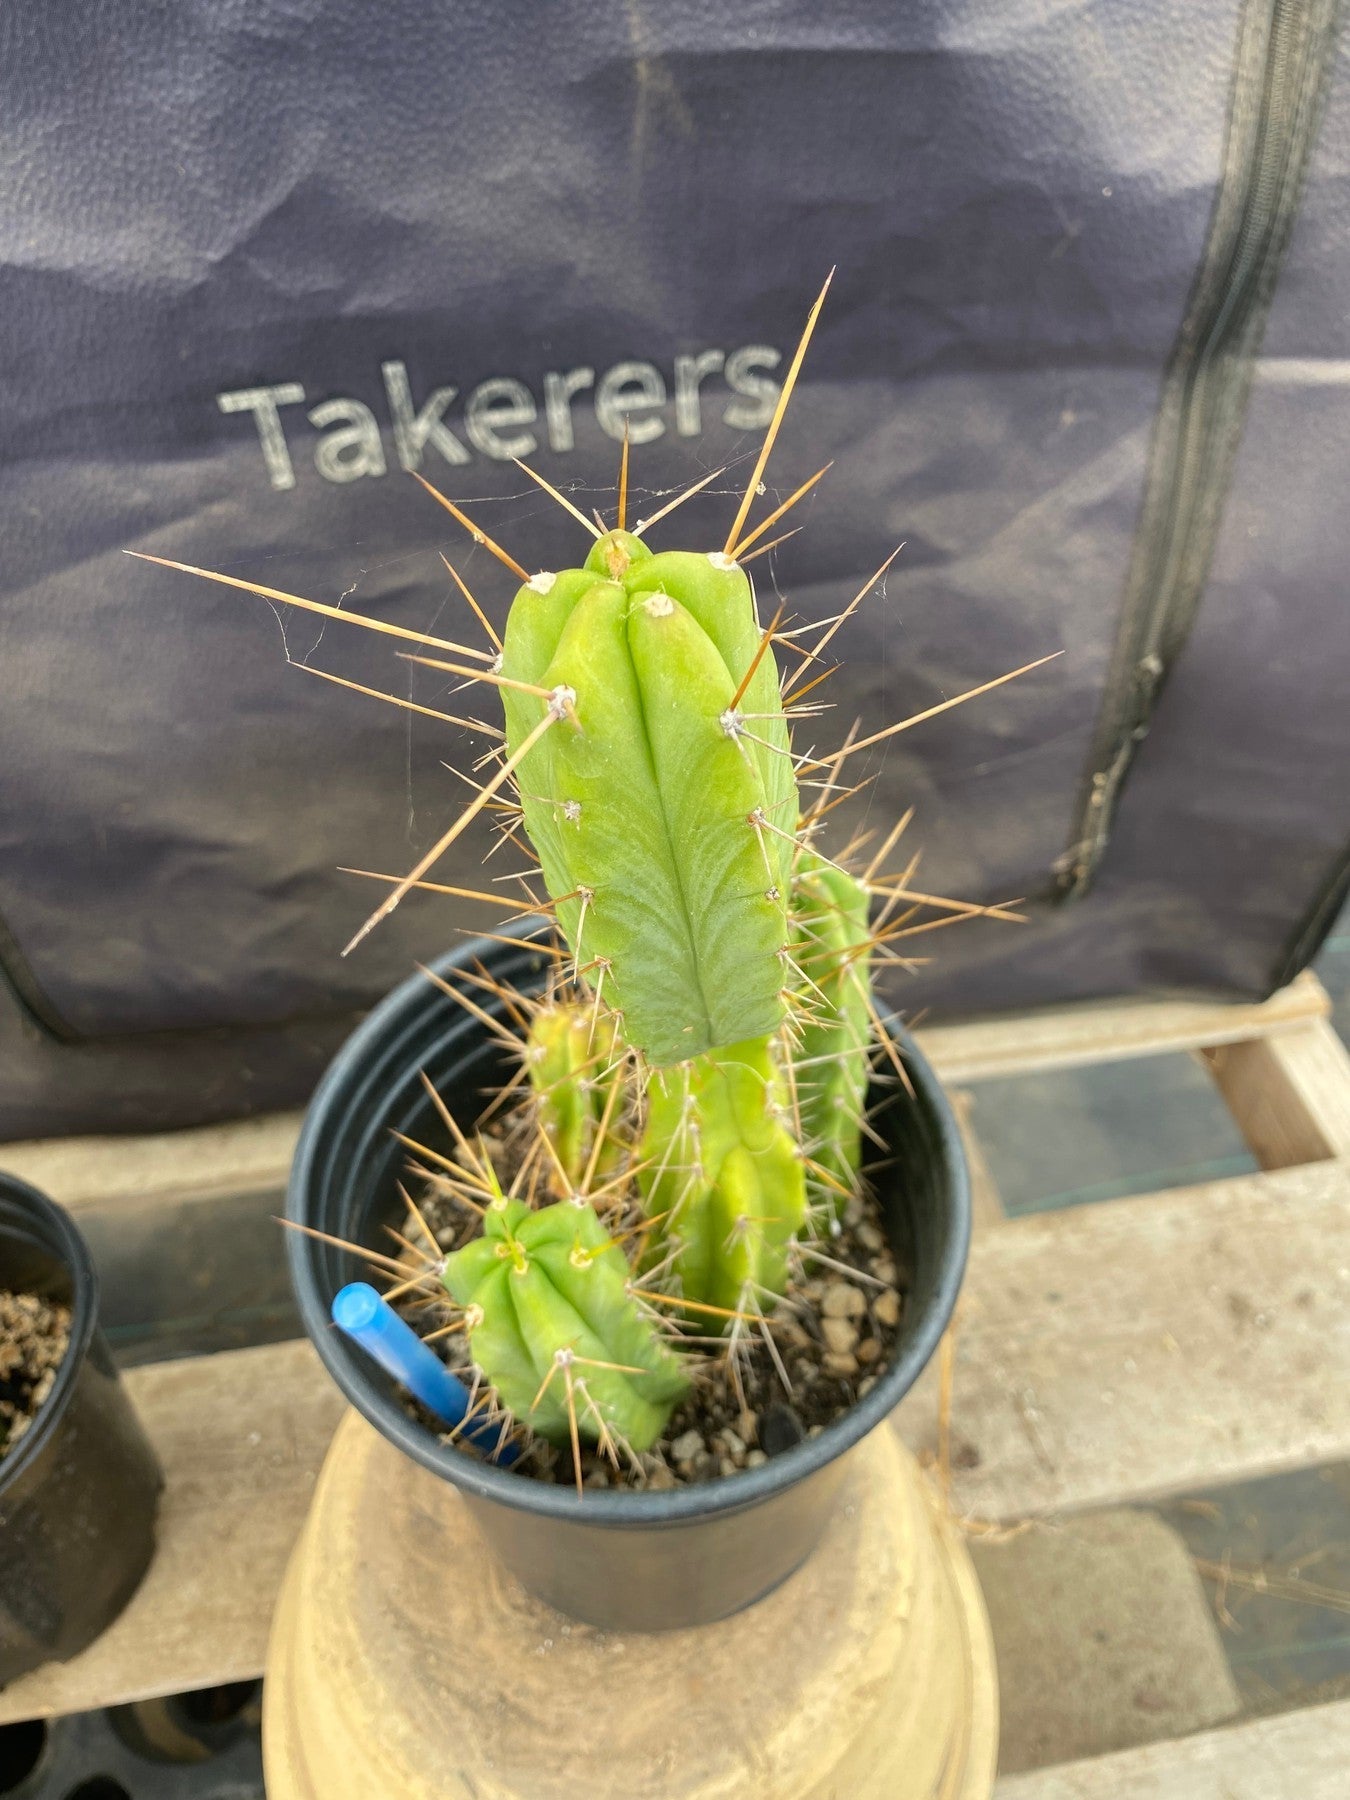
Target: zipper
x=1285, y=51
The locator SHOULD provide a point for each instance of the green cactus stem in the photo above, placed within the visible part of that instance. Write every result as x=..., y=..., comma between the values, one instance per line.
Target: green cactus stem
x=724, y=1184
x=832, y=947
x=660, y=811
x=554, y=1328
x=573, y=1057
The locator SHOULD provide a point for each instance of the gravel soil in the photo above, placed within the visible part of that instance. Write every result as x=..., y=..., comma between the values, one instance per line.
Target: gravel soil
x=781, y=1380
x=34, y=1336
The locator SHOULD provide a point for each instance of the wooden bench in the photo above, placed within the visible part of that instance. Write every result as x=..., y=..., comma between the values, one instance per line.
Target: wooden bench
x=1096, y=1362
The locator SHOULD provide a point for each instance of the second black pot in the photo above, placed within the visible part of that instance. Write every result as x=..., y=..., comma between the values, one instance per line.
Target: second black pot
x=625, y=1560
x=78, y=1493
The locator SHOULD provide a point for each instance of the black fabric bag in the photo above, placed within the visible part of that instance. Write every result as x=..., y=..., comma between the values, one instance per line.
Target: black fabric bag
x=1086, y=354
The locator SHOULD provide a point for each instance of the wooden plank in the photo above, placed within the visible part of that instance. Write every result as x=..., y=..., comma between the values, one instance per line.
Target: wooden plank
x=248, y=1155
x=255, y=1154
x=1068, y=1037
x=1290, y=1095
x=241, y=1436
x=1105, y=1637
x=1107, y=1353
x=1302, y=1755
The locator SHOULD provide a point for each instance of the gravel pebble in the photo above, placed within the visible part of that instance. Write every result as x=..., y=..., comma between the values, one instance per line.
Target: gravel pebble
x=688, y=1446
x=868, y=1351
x=835, y=1364
x=843, y=1301
x=841, y=1335
x=733, y=1444
x=886, y=1307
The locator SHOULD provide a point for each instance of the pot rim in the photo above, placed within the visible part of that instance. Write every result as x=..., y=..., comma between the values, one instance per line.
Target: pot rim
x=62, y=1240
x=608, y=1507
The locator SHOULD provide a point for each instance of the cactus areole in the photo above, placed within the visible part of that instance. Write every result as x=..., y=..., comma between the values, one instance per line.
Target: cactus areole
x=662, y=805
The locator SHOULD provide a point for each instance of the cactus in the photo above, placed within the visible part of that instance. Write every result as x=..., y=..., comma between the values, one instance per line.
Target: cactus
x=725, y=1012
x=572, y=1058
x=832, y=947
x=661, y=812
x=555, y=1330
x=723, y=1180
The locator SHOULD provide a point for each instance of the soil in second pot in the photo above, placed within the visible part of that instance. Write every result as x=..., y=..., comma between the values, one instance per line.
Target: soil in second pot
x=34, y=1338
x=814, y=1355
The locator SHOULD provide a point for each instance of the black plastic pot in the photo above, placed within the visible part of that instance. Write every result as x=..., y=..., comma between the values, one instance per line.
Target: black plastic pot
x=621, y=1559
x=105, y=1756
x=78, y=1493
